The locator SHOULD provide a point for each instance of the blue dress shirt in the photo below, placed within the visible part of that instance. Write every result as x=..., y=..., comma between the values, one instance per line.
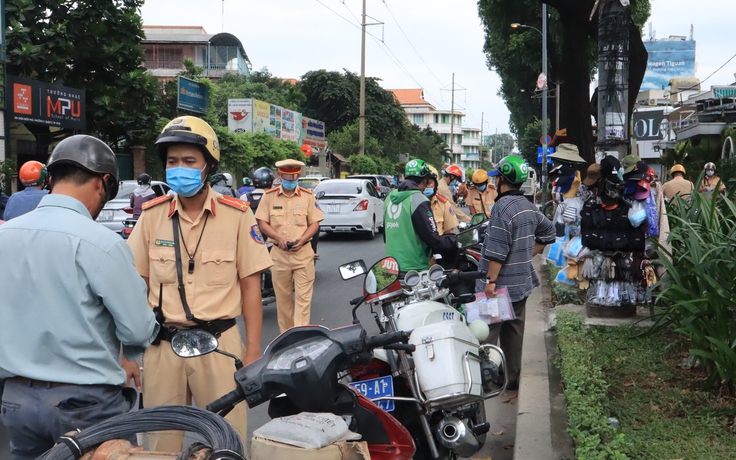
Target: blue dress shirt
x=70, y=296
x=24, y=201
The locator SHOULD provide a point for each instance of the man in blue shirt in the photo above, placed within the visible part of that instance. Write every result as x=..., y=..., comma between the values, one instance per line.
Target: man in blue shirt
x=73, y=306
x=33, y=177
x=246, y=188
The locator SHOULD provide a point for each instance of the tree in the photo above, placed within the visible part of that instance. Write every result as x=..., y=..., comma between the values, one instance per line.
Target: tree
x=501, y=144
x=572, y=58
x=242, y=152
x=529, y=142
x=362, y=164
x=94, y=45
x=345, y=141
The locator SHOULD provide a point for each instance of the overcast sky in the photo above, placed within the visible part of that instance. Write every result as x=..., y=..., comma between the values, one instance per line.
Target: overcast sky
x=291, y=37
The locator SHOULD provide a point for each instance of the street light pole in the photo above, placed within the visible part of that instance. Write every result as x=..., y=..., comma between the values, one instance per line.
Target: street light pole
x=361, y=129
x=543, y=33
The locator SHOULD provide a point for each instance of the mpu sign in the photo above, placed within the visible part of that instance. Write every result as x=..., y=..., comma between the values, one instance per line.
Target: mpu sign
x=647, y=125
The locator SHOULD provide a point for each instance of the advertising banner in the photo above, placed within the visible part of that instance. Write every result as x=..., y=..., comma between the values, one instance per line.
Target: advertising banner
x=290, y=130
x=192, y=96
x=264, y=118
x=41, y=103
x=313, y=133
x=668, y=59
x=647, y=125
x=240, y=115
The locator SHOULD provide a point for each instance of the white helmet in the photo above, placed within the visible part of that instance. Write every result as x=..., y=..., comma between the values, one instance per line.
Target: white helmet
x=228, y=179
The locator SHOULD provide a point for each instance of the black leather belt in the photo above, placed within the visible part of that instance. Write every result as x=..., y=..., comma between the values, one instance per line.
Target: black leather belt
x=216, y=328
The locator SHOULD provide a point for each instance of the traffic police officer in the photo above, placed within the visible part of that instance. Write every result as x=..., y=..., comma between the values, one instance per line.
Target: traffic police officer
x=444, y=216
x=482, y=196
x=289, y=216
x=201, y=255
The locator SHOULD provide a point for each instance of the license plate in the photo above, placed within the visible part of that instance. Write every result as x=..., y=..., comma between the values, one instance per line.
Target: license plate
x=105, y=216
x=377, y=388
x=333, y=208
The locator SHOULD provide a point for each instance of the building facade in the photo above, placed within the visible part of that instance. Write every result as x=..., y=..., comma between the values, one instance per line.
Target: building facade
x=165, y=48
x=465, y=142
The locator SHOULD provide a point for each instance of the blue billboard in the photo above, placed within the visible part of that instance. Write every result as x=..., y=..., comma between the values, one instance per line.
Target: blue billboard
x=668, y=59
x=192, y=96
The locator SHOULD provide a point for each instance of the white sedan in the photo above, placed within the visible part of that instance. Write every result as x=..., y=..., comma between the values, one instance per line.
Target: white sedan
x=350, y=205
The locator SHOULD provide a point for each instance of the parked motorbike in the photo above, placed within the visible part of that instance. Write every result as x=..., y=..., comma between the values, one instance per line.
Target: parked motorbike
x=128, y=225
x=438, y=390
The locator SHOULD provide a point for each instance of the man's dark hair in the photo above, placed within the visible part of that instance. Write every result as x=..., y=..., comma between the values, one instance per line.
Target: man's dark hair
x=67, y=172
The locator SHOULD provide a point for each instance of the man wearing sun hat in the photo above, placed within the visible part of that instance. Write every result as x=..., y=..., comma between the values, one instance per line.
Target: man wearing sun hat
x=289, y=216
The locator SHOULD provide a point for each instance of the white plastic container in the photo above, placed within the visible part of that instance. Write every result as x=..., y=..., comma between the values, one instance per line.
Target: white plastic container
x=442, y=350
x=423, y=313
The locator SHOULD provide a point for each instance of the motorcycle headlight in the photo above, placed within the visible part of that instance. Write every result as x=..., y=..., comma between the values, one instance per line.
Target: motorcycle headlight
x=283, y=360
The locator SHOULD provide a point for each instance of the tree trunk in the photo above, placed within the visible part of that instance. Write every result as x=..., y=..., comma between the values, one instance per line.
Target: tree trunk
x=575, y=73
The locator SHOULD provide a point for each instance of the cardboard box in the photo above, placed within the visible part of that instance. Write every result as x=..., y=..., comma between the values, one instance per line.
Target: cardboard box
x=263, y=449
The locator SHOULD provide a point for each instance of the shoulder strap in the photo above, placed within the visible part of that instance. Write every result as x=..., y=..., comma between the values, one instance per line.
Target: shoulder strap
x=182, y=291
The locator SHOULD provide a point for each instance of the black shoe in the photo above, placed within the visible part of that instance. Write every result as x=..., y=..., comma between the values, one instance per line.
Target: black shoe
x=513, y=385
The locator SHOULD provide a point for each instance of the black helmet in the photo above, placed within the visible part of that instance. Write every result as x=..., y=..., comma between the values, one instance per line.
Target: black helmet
x=263, y=178
x=144, y=179
x=90, y=154
x=217, y=178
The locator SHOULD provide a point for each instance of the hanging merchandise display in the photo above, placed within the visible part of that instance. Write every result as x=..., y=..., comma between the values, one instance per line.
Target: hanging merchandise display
x=613, y=220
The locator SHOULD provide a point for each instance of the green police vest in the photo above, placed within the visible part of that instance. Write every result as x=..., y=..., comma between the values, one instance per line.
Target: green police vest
x=402, y=242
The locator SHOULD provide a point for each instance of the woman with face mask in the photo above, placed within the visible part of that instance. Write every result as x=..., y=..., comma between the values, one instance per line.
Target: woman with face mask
x=482, y=196
x=711, y=180
x=442, y=212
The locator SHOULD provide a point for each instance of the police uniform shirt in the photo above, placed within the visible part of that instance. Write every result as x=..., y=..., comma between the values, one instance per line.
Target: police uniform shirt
x=474, y=200
x=231, y=248
x=443, y=215
x=289, y=216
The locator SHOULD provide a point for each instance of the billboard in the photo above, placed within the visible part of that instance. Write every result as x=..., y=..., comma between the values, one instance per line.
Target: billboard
x=240, y=115
x=647, y=125
x=192, y=96
x=313, y=133
x=668, y=59
x=290, y=130
x=42, y=103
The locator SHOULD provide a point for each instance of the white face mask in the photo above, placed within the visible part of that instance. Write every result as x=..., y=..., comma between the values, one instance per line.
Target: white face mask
x=710, y=173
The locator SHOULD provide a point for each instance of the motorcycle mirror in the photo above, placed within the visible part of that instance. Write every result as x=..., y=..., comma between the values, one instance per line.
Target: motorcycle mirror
x=477, y=218
x=352, y=269
x=382, y=274
x=468, y=238
x=193, y=342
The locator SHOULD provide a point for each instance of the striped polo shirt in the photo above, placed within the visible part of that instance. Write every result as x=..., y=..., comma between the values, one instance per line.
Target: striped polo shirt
x=514, y=228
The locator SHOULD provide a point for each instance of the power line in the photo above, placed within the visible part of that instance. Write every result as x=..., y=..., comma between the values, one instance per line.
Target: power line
x=706, y=78
x=409, y=41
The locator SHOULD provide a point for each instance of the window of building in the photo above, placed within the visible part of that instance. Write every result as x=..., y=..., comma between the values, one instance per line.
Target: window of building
x=445, y=137
x=418, y=118
x=436, y=118
x=445, y=119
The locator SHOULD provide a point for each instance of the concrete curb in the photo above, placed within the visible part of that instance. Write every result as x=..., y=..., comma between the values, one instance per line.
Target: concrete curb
x=533, y=423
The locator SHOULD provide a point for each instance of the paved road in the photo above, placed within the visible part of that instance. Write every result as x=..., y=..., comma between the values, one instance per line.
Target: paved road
x=331, y=308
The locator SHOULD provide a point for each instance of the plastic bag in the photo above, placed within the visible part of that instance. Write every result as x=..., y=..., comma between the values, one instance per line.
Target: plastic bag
x=573, y=248
x=652, y=216
x=562, y=278
x=637, y=213
x=309, y=430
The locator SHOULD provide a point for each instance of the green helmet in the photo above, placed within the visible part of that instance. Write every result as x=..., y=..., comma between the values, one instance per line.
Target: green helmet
x=513, y=169
x=417, y=168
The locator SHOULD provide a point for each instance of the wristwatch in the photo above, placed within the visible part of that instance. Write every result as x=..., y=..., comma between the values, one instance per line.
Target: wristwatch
x=488, y=280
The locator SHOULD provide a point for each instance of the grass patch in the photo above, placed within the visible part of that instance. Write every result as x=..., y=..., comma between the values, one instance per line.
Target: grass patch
x=562, y=294
x=644, y=383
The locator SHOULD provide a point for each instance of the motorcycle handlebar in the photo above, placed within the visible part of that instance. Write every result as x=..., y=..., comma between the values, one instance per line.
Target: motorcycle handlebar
x=226, y=401
x=462, y=276
x=386, y=339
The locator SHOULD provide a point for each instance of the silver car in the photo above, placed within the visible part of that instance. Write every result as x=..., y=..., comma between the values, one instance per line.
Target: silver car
x=118, y=209
x=350, y=205
x=381, y=183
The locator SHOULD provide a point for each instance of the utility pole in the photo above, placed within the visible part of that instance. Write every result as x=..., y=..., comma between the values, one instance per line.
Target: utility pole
x=544, y=104
x=223, y=16
x=480, y=153
x=557, y=111
x=452, y=121
x=361, y=131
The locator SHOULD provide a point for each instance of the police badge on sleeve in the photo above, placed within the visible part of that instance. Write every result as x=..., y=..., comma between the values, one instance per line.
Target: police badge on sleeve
x=255, y=233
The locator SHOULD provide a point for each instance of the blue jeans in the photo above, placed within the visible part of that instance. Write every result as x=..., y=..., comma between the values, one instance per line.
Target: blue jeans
x=36, y=415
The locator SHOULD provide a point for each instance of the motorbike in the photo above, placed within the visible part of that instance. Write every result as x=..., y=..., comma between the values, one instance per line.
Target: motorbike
x=437, y=391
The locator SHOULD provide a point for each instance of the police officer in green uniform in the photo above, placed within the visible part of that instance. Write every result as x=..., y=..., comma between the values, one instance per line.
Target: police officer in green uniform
x=411, y=231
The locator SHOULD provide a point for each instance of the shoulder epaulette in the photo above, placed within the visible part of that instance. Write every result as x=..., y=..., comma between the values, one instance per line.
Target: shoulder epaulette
x=442, y=198
x=234, y=203
x=271, y=190
x=303, y=189
x=157, y=201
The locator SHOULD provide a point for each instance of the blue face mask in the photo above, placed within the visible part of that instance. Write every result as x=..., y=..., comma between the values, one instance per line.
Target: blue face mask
x=289, y=184
x=185, y=181
x=455, y=183
x=481, y=187
x=428, y=192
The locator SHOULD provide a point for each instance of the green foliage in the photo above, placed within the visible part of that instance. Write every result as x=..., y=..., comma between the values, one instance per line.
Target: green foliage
x=698, y=294
x=694, y=156
x=585, y=392
x=345, y=141
x=243, y=152
x=562, y=294
x=92, y=45
x=362, y=164
x=7, y=168
x=661, y=411
x=529, y=142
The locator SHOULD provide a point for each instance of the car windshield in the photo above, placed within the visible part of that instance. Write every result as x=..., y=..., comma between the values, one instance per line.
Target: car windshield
x=373, y=180
x=308, y=183
x=340, y=188
x=126, y=188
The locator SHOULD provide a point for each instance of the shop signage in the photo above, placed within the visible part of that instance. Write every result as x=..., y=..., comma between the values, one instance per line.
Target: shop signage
x=42, y=103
